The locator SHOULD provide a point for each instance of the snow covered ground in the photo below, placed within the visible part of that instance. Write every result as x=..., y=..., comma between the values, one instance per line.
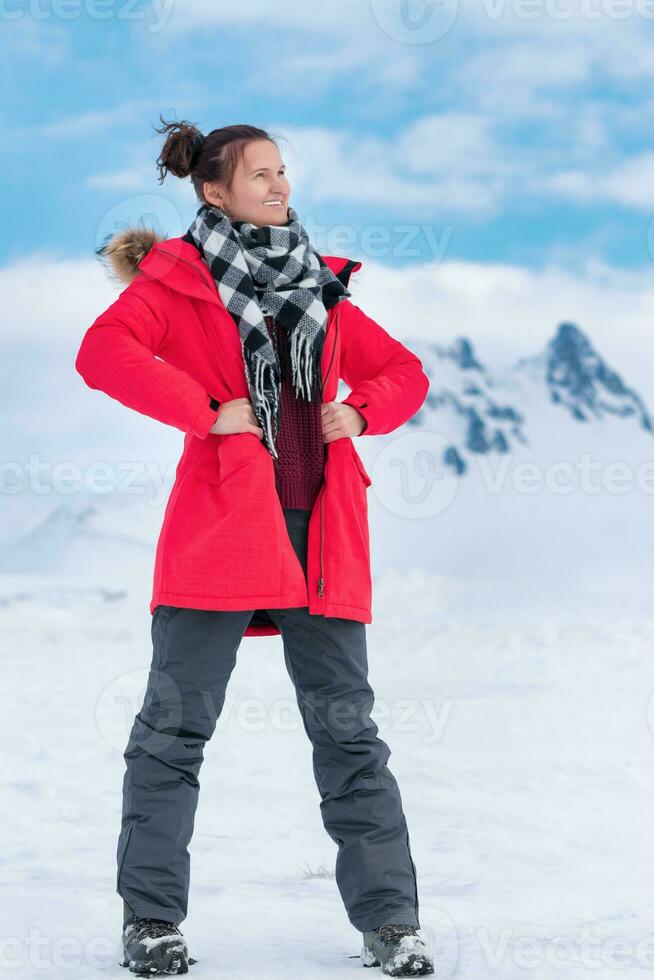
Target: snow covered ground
x=511, y=652
x=524, y=753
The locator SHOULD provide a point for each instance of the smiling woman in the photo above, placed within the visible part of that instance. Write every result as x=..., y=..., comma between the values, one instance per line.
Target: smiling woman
x=238, y=333
x=237, y=168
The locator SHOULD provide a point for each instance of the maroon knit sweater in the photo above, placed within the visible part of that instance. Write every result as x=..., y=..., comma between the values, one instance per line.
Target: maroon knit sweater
x=299, y=470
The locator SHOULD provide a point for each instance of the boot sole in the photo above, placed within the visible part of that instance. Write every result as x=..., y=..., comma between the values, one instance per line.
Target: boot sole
x=175, y=966
x=416, y=966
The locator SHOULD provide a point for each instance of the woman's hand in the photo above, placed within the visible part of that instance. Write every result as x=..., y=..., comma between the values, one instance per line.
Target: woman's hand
x=339, y=420
x=236, y=415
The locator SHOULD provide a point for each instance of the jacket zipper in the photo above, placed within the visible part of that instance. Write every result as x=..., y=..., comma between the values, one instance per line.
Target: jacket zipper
x=321, y=580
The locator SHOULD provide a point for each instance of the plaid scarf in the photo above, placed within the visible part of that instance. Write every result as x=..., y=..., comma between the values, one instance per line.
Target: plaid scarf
x=276, y=269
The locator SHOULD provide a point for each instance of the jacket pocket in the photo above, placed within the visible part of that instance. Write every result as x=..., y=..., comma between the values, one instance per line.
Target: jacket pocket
x=363, y=473
x=226, y=455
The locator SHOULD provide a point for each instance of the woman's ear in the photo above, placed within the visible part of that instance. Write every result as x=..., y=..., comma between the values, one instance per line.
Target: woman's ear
x=212, y=195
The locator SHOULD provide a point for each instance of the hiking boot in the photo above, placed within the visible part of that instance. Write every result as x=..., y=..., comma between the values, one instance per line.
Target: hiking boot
x=400, y=950
x=154, y=947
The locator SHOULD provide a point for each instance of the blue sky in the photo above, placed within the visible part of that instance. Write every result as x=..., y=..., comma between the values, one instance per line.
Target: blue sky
x=481, y=134
x=492, y=170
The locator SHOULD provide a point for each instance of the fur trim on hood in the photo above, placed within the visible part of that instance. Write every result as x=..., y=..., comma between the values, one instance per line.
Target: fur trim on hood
x=121, y=253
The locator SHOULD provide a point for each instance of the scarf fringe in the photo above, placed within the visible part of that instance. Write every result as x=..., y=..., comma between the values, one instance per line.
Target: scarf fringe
x=305, y=367
x=267, y=402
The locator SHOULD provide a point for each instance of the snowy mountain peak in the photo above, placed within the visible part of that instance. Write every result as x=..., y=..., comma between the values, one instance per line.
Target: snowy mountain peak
x=466, y=408
x=460, y=353
x=496, y=412
x=569, y=335
x=463, y=354
x=579, y=380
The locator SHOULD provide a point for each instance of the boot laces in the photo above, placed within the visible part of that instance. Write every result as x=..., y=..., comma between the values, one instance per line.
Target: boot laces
x=394, y=933
x=156, y=927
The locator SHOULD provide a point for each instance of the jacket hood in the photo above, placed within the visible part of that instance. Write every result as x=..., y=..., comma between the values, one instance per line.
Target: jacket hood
x=122, y=253
x=138, y=249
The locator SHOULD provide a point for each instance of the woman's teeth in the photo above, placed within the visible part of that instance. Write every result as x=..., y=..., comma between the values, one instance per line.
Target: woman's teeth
x=270, y=204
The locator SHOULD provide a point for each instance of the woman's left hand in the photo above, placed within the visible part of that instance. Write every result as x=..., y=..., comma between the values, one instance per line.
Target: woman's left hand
x=340, y=420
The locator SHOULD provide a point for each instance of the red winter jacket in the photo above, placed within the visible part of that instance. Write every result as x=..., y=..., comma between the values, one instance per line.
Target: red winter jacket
x=164, y=348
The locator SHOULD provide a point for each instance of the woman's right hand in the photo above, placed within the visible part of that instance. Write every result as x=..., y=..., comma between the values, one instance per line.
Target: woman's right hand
x=236, y=415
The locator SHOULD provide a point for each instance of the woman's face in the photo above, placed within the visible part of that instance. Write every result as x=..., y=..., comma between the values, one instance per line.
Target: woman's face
x=258, y=180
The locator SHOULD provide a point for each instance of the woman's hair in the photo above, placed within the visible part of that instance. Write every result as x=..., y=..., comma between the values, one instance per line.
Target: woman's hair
x=218, y=155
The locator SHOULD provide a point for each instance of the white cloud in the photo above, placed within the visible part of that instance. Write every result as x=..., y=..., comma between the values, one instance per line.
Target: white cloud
x=505, y=76
x=447, y=144
x=97, y=121
x=136, y=179
x=513, y=68
x=48, y=303
x=337, y=15
x=325, y=165
x=631, y=183
x=44, y=44
x=437, y=165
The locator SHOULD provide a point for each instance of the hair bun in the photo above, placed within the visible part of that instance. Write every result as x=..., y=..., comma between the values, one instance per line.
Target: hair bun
x=196, y=150
x=181, y=148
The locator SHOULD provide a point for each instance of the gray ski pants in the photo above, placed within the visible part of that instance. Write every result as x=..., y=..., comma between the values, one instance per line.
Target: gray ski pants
x=194, y=653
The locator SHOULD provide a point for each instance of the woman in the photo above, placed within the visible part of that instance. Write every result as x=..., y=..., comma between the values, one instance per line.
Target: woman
x=237, y=333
